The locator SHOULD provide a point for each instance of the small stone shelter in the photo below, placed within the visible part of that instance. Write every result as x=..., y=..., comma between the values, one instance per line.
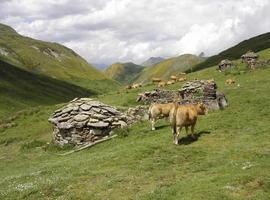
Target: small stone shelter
x=85, y=120
x=224, y=64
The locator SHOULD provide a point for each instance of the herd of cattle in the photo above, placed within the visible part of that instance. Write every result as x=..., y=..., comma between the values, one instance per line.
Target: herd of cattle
x=173, y=79
x=179, y=116
x=161, y=83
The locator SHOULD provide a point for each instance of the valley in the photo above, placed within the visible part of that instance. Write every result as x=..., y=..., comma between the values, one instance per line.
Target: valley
x=229, y=159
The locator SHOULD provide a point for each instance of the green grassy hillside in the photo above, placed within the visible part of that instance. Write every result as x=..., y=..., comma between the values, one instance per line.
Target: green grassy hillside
x=123, y=72
x=20, y=89
x=229, y=161
x=168, y=67
x=255, y=44
x=50, y=59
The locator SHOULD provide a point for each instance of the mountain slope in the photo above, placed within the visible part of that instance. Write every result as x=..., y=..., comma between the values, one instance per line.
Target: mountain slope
x=152, y=61
x=50, y=59
x=123, y=72
x=229, y=160
x=169, y=67
x=255, y=44
x=20, y=89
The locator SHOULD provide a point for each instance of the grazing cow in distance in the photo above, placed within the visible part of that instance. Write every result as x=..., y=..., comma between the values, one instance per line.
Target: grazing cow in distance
x=230, y=81
x=128, y=87
x=174, y=78
x=156, y=80
x=157, y=111
x=182, y=73
x=184, y=116
x=182, y=79
x=136, y=85
x=170, y=82
x=162, y=84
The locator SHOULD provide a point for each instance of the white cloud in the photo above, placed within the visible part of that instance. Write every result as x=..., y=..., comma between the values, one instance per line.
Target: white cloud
x=106, y=31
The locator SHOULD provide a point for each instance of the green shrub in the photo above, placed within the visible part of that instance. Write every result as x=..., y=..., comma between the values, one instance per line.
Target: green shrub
x=122, y=132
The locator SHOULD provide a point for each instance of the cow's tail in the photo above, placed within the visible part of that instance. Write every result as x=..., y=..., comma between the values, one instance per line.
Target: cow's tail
x=172, y=118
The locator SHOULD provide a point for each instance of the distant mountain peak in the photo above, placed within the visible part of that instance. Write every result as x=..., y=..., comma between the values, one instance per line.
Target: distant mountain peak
x=152, y=61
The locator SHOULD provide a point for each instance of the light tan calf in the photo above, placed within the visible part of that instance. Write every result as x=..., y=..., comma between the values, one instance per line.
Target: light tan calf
x=136, y=85
x=128, y=87
x=170, y=82
x=157, y=111
x=173, y=78
x=156, y=80
x=182, y=79
x=185, y=116
x=162, y=84
x=230, y=81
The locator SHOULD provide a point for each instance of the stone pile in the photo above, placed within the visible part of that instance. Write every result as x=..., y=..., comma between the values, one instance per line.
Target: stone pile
x=84, y=121
x=203, y=91
x=191, y=92
x=138, y=113
x=199, y=89
x=250, y=58
x=159, y=96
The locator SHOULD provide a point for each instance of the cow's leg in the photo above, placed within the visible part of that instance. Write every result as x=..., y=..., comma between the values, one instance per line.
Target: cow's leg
x=174, y=133
x=178, y=130
x=192, y=131
x=153, y=124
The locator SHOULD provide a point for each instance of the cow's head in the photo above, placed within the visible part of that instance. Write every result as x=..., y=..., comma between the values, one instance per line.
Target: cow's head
x=201, y=109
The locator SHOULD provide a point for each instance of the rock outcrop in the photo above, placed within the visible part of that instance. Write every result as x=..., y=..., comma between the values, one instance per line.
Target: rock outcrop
x=85, y=120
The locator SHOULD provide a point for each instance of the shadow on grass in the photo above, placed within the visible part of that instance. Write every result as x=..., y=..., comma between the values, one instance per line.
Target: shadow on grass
x=188, y=139
x=162, y=126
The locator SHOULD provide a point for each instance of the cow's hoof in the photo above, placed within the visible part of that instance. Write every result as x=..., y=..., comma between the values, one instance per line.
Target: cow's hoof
x=193, y=137
x=153, y=129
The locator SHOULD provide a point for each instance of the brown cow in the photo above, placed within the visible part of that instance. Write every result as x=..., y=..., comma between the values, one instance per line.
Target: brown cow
x=185, y=115
x=182, y=79
x=156, y=80
x=136, y=85
x=157, y=111
x=170, y=82
x=174, y=78
x=162, y=84
x=128, y=87
x=230, y=81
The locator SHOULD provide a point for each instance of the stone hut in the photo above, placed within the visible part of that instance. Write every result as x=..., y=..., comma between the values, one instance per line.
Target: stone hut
x=84, y=121
x=250, y=58
x=203, y=91
x=191, y=92
x=224, y=64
